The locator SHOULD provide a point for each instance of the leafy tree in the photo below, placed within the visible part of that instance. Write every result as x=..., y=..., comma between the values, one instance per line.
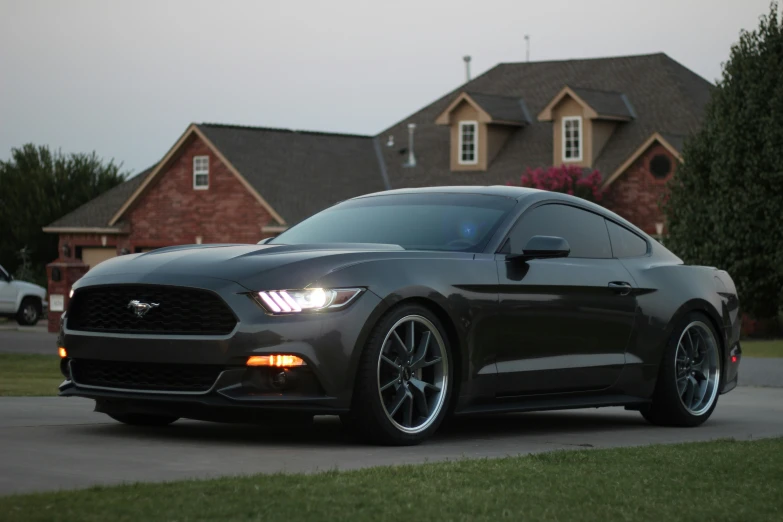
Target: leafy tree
x=37, y=187
x=725, y=206
x=568, y=179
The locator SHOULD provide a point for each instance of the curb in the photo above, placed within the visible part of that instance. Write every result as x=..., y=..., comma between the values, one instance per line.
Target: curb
x=17, y=328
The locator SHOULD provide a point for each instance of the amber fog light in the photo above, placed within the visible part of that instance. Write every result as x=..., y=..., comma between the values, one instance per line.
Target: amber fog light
x=276, y=361
x=62, y=352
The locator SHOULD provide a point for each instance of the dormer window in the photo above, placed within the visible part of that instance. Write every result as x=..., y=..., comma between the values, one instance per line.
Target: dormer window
x=200, y=172
x=572, y=138
x=479, y=125
x=468, y=139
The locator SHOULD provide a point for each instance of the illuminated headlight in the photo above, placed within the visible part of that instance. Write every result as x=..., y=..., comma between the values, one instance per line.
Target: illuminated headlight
x=308, y=299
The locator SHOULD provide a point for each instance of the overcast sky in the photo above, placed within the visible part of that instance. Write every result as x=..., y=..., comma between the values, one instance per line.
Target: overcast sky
x=126, y=78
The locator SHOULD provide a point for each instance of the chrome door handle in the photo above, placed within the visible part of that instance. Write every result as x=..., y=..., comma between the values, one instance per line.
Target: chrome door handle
x=621, y=287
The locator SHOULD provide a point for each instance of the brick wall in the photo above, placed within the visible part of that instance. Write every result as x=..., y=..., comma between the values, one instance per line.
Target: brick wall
x=636, y=195
x=171, y=212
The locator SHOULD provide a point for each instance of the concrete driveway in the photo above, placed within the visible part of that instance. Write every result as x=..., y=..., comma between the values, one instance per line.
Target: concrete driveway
x=51, y=443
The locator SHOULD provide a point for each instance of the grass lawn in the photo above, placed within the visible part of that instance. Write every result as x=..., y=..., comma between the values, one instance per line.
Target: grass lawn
x=772, y=348
x=29, y=375
x=715, y=481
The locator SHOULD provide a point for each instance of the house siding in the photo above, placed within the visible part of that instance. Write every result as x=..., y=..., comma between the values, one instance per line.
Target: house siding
x=171, y=212
x=637, y=195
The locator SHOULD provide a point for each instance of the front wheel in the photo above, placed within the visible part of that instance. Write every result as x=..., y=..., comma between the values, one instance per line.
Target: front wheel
x=29, y=311
x=689, y=379
x=403, y=383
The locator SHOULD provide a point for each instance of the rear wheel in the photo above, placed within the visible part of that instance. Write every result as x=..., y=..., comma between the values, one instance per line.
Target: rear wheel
x=142, y=419
x=29, y=311
x=689, y=379
x=403, y=382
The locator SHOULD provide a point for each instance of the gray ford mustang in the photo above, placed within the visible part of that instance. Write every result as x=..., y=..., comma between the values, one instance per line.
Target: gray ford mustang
x=397, y=309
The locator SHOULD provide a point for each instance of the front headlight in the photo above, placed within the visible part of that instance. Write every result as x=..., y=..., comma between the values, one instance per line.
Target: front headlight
x=306, y=300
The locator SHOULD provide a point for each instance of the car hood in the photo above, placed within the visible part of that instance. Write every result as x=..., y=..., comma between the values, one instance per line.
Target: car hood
x=30, y=288
x=252, y=266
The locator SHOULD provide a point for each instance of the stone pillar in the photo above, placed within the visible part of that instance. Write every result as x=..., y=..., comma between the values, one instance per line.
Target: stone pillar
x=62, y=274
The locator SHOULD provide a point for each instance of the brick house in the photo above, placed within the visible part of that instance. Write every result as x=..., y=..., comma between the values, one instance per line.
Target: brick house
x=624, y=116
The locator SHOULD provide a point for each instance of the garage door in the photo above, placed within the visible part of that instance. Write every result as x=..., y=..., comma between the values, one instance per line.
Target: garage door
x=94, y=255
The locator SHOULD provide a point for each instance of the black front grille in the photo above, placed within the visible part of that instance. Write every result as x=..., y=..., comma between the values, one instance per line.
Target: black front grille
x=145, y=376
x=179, y=311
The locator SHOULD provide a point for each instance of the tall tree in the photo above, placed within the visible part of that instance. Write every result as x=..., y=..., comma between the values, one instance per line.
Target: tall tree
x=725, y=207
x=38, y=186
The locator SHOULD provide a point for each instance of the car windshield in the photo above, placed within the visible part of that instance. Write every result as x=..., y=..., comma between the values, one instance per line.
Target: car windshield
x=451, y=222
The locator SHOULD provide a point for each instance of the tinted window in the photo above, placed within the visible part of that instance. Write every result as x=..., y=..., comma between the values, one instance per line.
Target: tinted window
x=585, y=232
x=624, y=242
x=458, y=222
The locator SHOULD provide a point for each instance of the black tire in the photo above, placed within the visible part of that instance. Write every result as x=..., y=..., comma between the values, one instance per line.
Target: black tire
x=667, y=408
x=29, y=311
x=368, y=417
x=142, y=419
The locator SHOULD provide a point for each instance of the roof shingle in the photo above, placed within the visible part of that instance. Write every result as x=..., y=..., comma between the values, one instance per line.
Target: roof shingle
x=97, y=212
x=665, y=97
x=606, y=103
x=299, y=173
x=502, y=108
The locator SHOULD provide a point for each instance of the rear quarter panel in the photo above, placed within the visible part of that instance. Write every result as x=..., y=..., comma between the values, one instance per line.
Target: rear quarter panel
x=667, y=292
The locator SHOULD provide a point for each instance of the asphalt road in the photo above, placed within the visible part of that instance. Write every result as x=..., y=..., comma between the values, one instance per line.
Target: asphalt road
x=51, y=443
x=27, y=340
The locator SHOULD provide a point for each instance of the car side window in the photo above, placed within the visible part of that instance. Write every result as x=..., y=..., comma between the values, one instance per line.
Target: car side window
x=585, y=232
x=624, y=242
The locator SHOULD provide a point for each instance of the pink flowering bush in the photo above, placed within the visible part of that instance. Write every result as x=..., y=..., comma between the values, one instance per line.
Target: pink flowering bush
x=568, y=179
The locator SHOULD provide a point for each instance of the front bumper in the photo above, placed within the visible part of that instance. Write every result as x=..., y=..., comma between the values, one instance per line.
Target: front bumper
x=327, y=342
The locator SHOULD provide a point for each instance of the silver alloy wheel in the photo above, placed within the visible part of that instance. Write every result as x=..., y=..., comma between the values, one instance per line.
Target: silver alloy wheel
x=30, y=313
x=697, y=368
x=413, y=374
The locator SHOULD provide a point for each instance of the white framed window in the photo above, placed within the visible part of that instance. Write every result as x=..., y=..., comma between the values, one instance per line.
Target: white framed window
x=200, y=172
x=572, y=138
x=468, y=143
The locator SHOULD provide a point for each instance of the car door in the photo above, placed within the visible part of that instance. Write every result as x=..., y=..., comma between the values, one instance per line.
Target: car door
x=563, y=323
x=7, y=293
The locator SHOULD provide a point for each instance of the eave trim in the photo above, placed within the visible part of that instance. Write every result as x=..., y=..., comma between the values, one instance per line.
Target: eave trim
x=84, y=230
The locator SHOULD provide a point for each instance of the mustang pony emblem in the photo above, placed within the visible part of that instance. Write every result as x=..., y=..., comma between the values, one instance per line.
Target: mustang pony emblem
x=141, y=309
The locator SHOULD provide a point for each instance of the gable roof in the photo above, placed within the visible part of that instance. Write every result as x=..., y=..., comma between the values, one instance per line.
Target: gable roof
x=492, y=109
x=607, y=103
x=299, y=172
x=294, y=174
x=503, y=108
x=665, y=97
x=596, y=104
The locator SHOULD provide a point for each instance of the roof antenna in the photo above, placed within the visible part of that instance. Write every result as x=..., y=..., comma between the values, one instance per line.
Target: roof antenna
x=527, y=47
x=467, y=67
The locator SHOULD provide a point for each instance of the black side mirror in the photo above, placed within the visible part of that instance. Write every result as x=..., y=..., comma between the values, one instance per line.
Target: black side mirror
x=543, y=247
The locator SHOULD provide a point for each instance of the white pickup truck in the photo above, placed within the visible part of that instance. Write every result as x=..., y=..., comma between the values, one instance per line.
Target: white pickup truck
x=22, y=300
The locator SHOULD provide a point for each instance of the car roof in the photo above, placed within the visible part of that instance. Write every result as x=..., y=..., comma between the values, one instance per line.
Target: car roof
x=493, y=190
x=518, y=193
